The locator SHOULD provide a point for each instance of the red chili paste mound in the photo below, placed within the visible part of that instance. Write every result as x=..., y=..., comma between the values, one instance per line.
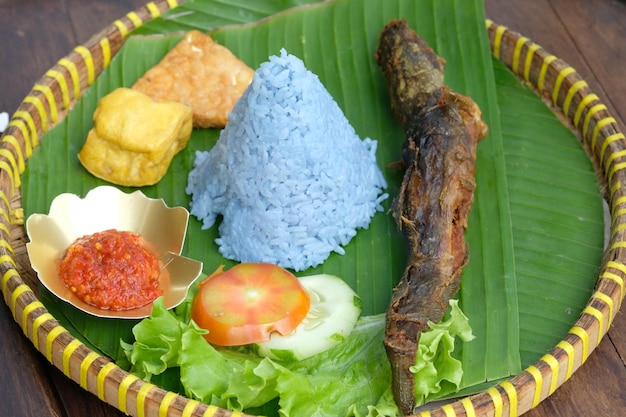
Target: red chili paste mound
x=111, y=270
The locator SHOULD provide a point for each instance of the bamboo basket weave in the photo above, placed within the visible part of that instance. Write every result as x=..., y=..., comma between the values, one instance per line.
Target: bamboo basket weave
x=56, y=92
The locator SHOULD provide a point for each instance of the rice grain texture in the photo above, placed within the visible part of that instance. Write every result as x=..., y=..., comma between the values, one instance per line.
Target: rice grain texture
x=290, y=176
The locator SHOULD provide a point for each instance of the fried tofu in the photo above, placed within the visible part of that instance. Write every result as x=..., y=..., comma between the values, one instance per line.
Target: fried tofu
x=202, y=74
x=134, y=138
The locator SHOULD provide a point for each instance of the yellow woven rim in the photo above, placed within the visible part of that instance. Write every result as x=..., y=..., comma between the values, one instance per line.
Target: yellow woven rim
x=55, y=93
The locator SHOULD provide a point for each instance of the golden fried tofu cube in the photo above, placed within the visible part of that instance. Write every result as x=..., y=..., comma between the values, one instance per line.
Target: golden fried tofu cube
x=134, y=138
x=202, y=74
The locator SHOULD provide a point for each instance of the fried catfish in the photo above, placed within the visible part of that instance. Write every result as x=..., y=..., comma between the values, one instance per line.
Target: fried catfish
x=442, y=130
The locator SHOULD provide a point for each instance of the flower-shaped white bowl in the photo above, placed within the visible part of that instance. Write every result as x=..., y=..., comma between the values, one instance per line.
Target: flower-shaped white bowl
x=70, y=217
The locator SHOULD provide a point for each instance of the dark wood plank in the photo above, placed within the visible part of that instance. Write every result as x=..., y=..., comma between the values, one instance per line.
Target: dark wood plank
x=591, y=390
x=24, y=386
x=598, y=33
x=36, y=34
x=24, y=53
x=588, y=38
x=76, y=401
x=89, y=17
x=617, y=335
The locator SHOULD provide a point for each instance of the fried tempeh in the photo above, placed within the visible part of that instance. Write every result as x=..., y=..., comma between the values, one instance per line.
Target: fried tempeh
x=202, y=74
x=442, y=129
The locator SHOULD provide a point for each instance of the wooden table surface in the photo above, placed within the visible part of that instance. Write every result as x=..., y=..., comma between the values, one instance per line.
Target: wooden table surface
x=34, y=35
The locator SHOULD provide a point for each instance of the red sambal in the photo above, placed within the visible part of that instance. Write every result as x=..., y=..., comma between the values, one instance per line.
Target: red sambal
x=111, y=270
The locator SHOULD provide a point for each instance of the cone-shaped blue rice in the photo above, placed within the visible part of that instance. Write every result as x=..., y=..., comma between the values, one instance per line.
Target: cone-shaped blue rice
x=289, y=175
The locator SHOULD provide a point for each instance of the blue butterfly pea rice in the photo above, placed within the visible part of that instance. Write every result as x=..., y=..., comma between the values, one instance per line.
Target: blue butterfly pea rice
x=290, y=177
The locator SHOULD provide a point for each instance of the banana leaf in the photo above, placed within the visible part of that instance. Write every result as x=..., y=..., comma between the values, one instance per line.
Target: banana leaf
x=535, y=230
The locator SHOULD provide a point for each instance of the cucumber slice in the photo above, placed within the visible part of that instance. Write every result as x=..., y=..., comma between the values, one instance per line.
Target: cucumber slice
x=334, y=310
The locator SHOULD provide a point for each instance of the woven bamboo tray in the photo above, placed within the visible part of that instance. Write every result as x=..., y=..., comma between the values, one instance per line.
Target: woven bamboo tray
x=55, y=93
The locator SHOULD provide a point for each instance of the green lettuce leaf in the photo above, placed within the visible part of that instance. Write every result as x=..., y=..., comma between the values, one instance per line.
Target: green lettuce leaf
x=223, y=378
x=437, y=372
x=351, y=379
x=343, y=380
x=158, y=339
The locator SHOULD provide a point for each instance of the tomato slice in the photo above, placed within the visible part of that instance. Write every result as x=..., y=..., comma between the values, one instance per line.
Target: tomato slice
x=248, y=302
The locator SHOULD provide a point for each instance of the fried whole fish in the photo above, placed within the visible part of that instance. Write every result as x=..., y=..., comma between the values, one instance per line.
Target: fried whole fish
x=442, y=129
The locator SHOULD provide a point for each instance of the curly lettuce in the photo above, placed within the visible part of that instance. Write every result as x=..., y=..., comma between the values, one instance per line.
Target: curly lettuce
x=351, y=379
x=437, y=373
